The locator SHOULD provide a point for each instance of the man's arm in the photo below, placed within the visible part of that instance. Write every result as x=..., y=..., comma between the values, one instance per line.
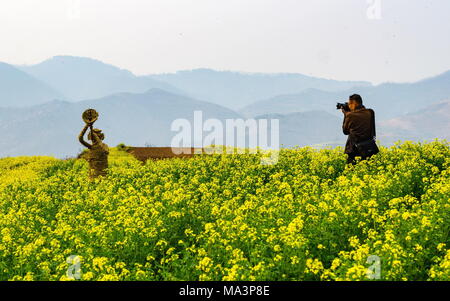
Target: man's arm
x=81, y=137
x=346, y=123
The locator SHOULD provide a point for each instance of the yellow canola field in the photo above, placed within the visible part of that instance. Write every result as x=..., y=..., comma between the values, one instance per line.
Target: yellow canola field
x=229, y=217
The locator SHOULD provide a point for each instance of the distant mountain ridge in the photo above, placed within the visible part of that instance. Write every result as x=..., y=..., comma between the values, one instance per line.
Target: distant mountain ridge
x=19, y=89
x=237, y=89
x=388, y=100
x=80, y=78
x=427, y=124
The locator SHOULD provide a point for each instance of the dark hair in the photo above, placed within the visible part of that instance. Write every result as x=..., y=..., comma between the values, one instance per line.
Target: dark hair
x=356, y=98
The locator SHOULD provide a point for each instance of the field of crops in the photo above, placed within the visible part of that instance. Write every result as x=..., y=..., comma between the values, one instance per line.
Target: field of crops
x=228, y=217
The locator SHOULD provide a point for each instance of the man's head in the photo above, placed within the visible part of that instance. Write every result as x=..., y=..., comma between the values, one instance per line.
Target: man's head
x=98, y=133
x=354, y=102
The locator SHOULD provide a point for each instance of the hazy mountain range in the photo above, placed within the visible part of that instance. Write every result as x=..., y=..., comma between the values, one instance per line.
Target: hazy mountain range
x=388, y=100
x=41, y=105
x=84, y=78
x=18, y=88
x=426, y=124
x=77, y=78
x=237, y=89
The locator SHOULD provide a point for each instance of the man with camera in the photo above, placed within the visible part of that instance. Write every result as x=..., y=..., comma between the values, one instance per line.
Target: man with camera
x=359, y=125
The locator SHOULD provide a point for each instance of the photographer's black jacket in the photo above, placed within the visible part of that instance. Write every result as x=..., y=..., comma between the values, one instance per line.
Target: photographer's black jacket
x=358, y=126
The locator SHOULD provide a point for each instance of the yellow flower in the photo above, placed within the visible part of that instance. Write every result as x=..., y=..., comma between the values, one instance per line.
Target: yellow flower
x=314, y=266
x=441, y=246
x=354, y=241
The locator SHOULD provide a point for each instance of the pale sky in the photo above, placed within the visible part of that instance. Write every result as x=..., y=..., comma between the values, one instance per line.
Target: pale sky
x=405, y=40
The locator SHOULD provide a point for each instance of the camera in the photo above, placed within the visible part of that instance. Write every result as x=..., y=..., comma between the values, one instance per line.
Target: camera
x=343, y=106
